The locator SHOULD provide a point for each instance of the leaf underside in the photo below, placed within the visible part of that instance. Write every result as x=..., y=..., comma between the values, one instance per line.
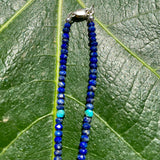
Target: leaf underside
x=126, y=120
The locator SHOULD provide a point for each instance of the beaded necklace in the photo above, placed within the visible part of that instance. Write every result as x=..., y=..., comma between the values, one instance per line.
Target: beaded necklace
x=79, y=15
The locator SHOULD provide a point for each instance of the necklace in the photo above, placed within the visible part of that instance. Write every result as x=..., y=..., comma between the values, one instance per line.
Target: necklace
x=79, y=15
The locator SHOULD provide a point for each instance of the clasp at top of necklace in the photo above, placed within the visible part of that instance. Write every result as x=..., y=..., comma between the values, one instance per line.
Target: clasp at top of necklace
x=81, y=14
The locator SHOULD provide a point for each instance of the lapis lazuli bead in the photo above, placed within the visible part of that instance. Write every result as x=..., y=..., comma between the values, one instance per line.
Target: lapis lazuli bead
x=58, y=126
x=93, y=65
x=86, y=125
x=61, y=95
x=58, y=133
x=66, y=30
x=58, y=152
x=63, y=56
x=58, y=158
x=68, y=25
x=61, y=90
x=58, y=139
x=59, y=120
x=83, y=145
x=64, y=46
x=89, y=113
x=65, y=41
x=87, y=119
x=63, y=61
x=93, y=54
x=92, y=82
x=62, y=78
x=62, y=73
x=86, y=132
x=61, y=84
x=60, y=107
x=60, y=101
x=90, y=100
x=91, y=88
x=94, y=43
x=91, y=24
x=84, y=138
x=81, y=157
x=89, y=106
x=60, y=113
x=92, y=76
x=90, y=94
x=83, y=151
x=93, y=60
x=93, y=48
x=93, y=71
x=92, y=39
x=91, y=29
x=92, y=34
x=62, y=68
x=65, y=35
x=58, y=146
x=64, y=51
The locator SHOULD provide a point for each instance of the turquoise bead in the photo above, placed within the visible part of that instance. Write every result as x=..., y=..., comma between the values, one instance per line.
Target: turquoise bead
x=89, y=113
x=60, y=113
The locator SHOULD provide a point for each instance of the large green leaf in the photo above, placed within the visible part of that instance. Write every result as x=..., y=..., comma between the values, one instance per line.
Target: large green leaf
x=127, y=106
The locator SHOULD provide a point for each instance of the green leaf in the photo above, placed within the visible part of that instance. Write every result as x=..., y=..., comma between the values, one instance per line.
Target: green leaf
x=126, y=120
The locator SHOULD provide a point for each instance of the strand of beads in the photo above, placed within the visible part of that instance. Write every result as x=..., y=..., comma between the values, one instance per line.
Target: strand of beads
x=61, y=90
x=90, y=93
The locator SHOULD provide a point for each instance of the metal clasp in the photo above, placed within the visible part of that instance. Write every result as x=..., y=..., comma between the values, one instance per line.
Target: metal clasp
x=81, y=14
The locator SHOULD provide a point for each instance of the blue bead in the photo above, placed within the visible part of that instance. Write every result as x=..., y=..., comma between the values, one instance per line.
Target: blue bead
x=94, y=43
x=92, y=39
x=61, y=84
x=89, y=113
x=86, y=125
x=59, y=120
x=90, y=94
x=61, y=90
x=58, y=158
x=64, y=51
x=60, y=113
x=94, y=54
x=91, y=88
x=93, y=48
x=92, y=76
x=92, y=82
x=58, y=152
x=86, y=132
x=62, y=78
x=90, y=100
x=66, y=30
x=64, y=46
x=63, y=56
x=89, y=106
x=83, y=145
x=62, y=73
x=91, y=24
x=58, y=139
x=61, y=95
x=58, y=146
x=60, y=107
x=58, y=133
x=91, y=29
x=84, y=138
x=81, y=157
x=92, y=34
x=62, y=68
x=87, y=119
x=67, y=24
x=65, y=35
x=93, y=71
x=65, y=41
x=83, y=151
x=60, y=101
x=63, y=61
x=93, y=60
x=58, y=126
x=93, y=65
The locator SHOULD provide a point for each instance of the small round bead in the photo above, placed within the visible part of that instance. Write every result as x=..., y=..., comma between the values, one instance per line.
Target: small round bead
x=59, y=120
x=61, y=95
x=63, y=56
x=93, y=48
x=58, y=126
x=62, y=78
x=61, y=84
x=91, y=24
x=65, y=41
x=92, y=39
x=60, y=101
x=81, y=157
x=90, y=18
x=86, y=125
x=60, y=107
x=63, y=61
x=58, y=152
x=58, y=146
x=66, y=30
x=94, y=54
x=93, y=60
x=89, y=106
x=86, y=132
x=62, y=73
x=93, y=71
x=91, y=88
x=87, y=119
x=65, y=35
x=89, y=113
x=92, y=82
x=68, y=25
x=90, y=94
x=92, y=34
x=90, y=100
x=64, y=46
x=60, y=113
x=94, y=43
x=83, y=151
x=61, y=90
x=83, y=145
x=91, y=29
x=84, y=138
x=62, y=68
x=58, y=139
x=64, y=51
x=58, y=133
x=93, y=65
x=58, y=158
x=68, y=20
x=92, y=76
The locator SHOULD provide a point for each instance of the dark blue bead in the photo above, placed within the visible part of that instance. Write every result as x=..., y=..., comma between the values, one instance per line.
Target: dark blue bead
x=86, y=126
x=61, y=95
x=64, y=46
x=93, y=60
x=86, y=132
x=58, y=158
x=93, y=65
x=62, y=78
x=65, y=35
x=58, y=126
x=83, y=151
x=60, y=101
x=90, y=94
x=60, y=107
x=65, y=41
x=87, y=119
x=91, y=24
x=92, y=82
x=58, y=133
x=64, y=51
x=94, y=54
x=89, y=106
x=63, y=61
x=61, y=90
x=62, y=68
x=67, y=24
x=94, y=43
x=61, y=84
x=90, y=100
x=81, y=157
x=66, y=30
x=62, y=73
x=92, y=76
x=93, y=71
x=91, y=29
x=58, y=146
x=91, y=88
x=93, y=48
x=58, y=152
x=58, y=139
x=59, y=120
x=92, y=39
x=84, y=138
x=83, y=145
x=63, y=56
x=92, y=34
